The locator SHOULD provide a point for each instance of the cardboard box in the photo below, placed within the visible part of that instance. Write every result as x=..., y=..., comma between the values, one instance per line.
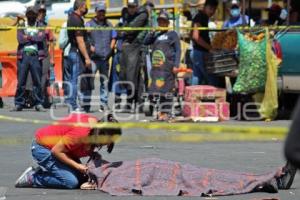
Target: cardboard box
x=198, y=93
x=220, y=111
x=224, y=111
x=200, y=110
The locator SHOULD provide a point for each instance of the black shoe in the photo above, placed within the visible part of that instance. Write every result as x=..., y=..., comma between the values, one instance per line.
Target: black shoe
x=103, y=108
x=286, y=180
x=40, y=108
x=17, y=108
x=270, y=187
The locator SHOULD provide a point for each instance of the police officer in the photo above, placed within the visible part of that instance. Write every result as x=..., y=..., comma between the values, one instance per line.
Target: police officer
x=131, y=52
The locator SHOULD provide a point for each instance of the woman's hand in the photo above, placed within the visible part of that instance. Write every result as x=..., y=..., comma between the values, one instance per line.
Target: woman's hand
x=82, y=168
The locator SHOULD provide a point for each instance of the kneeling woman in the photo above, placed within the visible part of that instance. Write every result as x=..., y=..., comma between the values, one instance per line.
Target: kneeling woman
x=58, y=149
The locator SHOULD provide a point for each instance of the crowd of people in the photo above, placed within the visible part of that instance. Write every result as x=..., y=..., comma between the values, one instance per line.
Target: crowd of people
x=58, y=148
x=142, y=60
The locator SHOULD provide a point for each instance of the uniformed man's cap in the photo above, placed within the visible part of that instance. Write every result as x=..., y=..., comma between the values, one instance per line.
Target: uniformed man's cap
x=132, y=2
x=163, y=15
x=100, y=7
x=42, y=7
x=32, y=9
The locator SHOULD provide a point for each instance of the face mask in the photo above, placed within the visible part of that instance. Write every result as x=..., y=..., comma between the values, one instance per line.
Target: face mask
x=31, y=20
x=235, y=12
x=85, y=12
x=283, y=14
x=46, y=19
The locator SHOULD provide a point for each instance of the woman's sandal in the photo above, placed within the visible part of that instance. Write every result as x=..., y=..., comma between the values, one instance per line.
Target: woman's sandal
x=88, y=186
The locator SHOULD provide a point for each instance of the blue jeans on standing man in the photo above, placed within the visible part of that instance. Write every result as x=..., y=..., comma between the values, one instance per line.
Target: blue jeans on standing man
x=32, y=64
x=54, y=174
x=103, y=67
x=76, y=64
x=200, y=75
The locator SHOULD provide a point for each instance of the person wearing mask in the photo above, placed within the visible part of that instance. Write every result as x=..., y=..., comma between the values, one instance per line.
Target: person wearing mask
x=102, y=47
x=79, y=58
x=131, y=53
x=48, y=62
x=30, y=54
x=201, y=44
x=58, y=149
x=236, y=18
x=276, y=15
x=114, y=81
x=166, y=52
x=65, y=46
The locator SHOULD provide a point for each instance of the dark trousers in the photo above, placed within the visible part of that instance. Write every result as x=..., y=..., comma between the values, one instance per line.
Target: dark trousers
x=292, y=144
x=67, y=70
x=33, y=65
x=130, y=62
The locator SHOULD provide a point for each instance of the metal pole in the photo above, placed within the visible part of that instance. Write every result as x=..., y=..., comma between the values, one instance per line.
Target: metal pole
x=244, y=12
x=249, y=12
x=289, y=11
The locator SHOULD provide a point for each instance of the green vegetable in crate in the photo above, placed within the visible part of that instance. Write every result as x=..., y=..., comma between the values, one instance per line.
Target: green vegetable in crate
x=253, y=65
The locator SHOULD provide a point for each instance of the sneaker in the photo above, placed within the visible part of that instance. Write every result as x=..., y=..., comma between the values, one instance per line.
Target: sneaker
x=17, y=108
x=25, y=180
x=102, y=108
x=40, y=108
x=78, y=110
x=286, y=180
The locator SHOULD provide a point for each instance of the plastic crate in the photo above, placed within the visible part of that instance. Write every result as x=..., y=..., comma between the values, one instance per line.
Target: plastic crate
x=221, y=62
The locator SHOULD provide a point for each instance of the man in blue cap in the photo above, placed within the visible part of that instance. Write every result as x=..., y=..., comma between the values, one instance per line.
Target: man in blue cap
x=102, y=47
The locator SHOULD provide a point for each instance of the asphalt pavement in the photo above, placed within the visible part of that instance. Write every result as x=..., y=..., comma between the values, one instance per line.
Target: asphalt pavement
x=247, y=156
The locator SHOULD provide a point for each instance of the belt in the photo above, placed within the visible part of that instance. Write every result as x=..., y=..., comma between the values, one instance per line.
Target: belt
x=28, y=53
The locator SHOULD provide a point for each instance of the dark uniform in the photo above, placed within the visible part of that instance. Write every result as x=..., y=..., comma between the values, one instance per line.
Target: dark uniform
x=131, y=54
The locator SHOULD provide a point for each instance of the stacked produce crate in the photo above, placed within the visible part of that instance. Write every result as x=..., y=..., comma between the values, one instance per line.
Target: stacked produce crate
x=206, y=103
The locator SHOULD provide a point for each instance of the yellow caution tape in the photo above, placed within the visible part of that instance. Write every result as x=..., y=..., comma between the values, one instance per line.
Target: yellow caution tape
x=5, y=28
x=154, y=138
x=179, y=127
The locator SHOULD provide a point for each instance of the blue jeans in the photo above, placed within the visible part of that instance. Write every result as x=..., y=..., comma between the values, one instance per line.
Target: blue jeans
x=200, y=75
x=34, y=65
x=76, y=64
x=103, y=67
x=54, y=174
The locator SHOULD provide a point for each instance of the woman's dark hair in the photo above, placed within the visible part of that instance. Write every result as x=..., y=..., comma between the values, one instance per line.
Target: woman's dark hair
x=107, y=131
x=212, y=3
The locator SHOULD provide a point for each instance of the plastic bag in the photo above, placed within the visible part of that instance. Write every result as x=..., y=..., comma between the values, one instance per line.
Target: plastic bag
x=253, y=64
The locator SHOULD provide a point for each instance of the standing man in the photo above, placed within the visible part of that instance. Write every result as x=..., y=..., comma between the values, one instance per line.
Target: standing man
x=102, y=48
x=131, y=52
x=65, y=46
x=48, y=62
x=31, y=52
x=79, y=58
x=201, y=44
x=236, y=18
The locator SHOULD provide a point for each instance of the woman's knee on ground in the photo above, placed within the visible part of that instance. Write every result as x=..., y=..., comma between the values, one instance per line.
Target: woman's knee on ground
x=71, y=182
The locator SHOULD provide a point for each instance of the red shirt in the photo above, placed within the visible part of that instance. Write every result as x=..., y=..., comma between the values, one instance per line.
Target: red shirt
x=73, y=137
